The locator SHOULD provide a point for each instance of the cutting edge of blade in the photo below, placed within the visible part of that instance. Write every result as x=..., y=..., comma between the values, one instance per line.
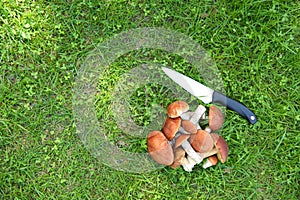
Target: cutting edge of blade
x=195, y=88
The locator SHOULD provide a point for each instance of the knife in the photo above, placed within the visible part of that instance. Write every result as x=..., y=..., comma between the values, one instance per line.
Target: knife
x=208, y=95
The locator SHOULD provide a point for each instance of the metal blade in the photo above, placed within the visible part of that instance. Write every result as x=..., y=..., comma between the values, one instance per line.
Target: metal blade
x=195, y=88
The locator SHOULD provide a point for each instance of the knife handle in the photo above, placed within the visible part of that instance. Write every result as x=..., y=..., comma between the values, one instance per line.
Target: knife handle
x=235, y=106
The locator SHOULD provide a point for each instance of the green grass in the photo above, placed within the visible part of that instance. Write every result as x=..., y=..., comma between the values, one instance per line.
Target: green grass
x=255, y=44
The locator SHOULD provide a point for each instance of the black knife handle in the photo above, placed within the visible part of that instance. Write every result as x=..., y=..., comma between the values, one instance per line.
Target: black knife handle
x=235, y=106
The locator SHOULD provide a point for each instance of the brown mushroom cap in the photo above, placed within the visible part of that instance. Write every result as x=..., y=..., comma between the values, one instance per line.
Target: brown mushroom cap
x=215, y=118
x=171, y=127
x=176, y=108
x=181, y=139
x=189, y=126
x=159, y=148
x=202, y=141
x=179, y=155
x=221, y=146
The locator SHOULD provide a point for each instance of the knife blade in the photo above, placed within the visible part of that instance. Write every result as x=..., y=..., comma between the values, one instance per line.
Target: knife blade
x=208, y=95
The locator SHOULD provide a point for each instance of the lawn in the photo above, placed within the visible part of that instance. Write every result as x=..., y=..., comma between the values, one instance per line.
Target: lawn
x=254, y=44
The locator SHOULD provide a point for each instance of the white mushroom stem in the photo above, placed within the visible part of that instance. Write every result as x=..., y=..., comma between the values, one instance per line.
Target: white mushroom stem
x=207, y=164
x=186, y=115
x=173, y=141
x=191, y=152
x=200, y=110
x=207, y=129
x=188, y=164
x=211, y=161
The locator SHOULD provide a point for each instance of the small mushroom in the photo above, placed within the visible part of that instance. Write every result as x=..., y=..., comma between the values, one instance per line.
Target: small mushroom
x=182, y=138
x=188, y=126
x=176, y=108
x=171, y=127
x=202, y=141
x=215, y=118
x=179, y=156
x=221, y=146
x=211, y=161
x=159, y=148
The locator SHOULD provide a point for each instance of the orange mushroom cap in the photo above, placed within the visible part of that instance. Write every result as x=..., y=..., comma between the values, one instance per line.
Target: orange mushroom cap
x=215, y=118
x=159, y=148
x=171, y=127
x=189, y=126
x=176, y=108
x=182, y=138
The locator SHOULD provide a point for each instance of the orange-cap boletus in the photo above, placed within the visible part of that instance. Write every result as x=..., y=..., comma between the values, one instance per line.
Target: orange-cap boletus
x=176, y=108
x=215, y=118
x=171, y=127
x=159, y=148
x=222, y=147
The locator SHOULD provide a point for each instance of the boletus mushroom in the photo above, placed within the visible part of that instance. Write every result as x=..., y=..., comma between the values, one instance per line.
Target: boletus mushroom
x=221, y=146
x=215, y=118
x=159, y=148
x=171, y=127
x=176, y=108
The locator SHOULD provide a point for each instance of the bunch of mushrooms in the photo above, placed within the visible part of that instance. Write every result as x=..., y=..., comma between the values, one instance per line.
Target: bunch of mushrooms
x=183, y=142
